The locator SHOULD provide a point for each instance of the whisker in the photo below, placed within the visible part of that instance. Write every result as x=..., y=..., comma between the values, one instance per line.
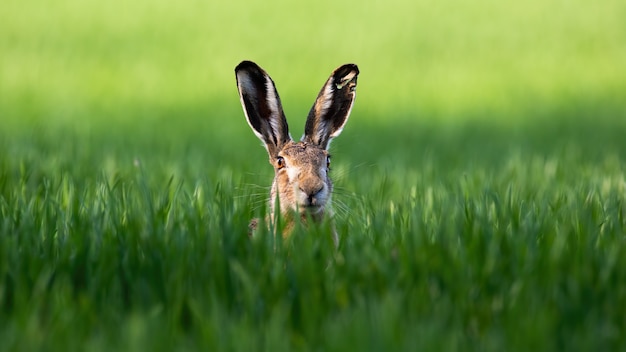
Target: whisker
x=250, y=195
x=341, y=209
x=254, y=188
x=254, y=185
x=346, y=196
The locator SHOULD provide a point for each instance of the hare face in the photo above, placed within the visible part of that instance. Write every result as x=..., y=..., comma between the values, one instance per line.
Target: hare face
x=301, y=183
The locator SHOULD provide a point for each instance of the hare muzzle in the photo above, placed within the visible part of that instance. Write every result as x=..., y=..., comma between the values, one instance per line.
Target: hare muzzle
x=312, y=195
x=307, y=187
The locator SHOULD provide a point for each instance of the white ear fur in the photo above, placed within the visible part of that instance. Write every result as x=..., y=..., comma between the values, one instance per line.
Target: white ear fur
x=332, y=107
x=244, y=85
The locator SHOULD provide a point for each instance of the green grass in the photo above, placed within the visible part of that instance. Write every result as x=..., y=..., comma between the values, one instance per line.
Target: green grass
x=480, y=182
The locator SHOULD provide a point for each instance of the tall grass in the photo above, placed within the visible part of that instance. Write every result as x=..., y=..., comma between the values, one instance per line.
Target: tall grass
x=444, y=246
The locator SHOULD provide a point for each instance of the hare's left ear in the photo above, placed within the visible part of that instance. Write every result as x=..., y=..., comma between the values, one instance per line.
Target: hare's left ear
x=332, y=107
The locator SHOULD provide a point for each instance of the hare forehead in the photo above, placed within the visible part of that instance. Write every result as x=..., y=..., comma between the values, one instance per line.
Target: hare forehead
x=302, y=153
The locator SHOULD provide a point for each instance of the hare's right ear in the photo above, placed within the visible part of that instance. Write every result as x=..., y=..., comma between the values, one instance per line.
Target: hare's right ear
x=262, y=106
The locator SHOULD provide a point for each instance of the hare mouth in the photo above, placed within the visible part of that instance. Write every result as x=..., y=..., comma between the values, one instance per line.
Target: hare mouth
x=310, y=208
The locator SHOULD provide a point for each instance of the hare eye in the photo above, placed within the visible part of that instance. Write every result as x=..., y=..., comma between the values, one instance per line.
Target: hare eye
x=280, y=162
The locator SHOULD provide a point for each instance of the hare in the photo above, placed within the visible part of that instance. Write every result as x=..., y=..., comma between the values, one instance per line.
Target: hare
x=301, y=184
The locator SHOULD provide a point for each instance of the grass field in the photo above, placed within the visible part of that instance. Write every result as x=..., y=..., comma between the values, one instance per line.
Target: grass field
x=480, y=182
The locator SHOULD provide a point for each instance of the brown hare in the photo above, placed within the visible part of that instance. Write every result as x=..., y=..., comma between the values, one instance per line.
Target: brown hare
x=302, y=186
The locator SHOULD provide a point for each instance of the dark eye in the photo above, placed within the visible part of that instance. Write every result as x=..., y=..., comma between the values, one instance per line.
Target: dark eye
x=280, y=162
x=328, y=161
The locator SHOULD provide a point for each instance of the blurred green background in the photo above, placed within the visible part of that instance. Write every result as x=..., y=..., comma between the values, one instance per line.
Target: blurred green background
x=77, y=61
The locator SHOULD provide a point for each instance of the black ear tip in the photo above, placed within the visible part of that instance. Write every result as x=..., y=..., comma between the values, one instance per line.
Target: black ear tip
x=246, y=65
x=353, y=67
x=345, y=70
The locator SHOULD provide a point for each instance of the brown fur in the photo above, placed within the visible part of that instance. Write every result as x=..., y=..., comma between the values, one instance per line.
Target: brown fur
x=301, y=184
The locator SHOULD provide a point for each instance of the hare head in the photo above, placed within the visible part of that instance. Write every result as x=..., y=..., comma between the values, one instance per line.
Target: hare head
x=301, y=183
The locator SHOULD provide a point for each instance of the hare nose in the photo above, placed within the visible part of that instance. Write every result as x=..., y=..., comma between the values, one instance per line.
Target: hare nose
x=311, y=193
